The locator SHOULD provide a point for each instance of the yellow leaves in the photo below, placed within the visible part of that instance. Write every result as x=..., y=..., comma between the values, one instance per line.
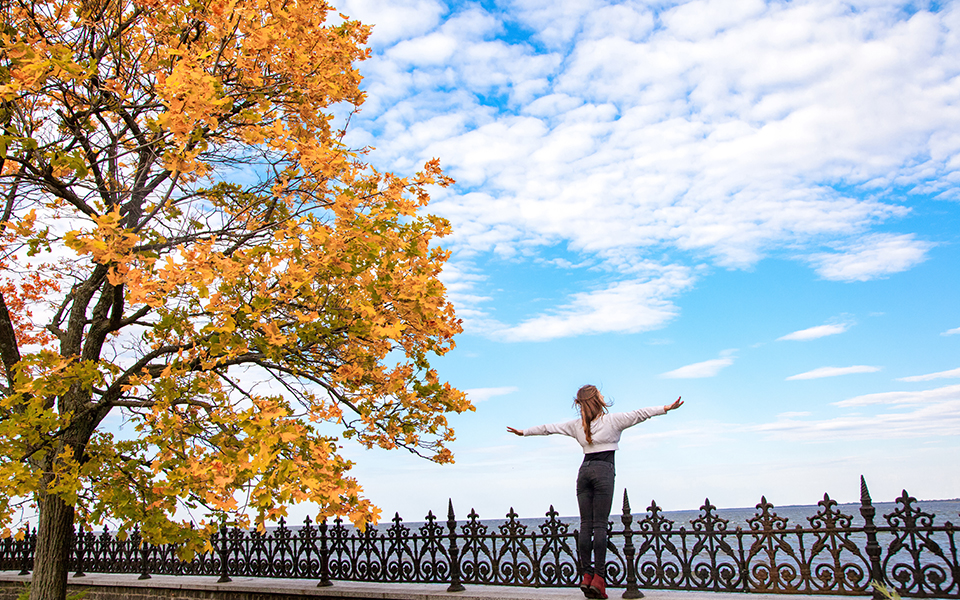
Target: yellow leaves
x=24, y=226
x=271, y=333
x=194, y=99
x=304, y=317
x=348, y=374
x=108, y=244
x=323, y=275
x=444, y=456
x=116, y=87
x=228, y=326
x=34, y=61
x=317, y=235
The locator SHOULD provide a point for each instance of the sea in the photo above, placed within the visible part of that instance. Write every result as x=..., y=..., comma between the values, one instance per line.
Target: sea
x=941, y=512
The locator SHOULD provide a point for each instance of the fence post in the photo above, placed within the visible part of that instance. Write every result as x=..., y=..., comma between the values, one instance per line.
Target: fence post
x=324, y=556
x=224, y=555
x=873, y=547
x=629, y=552
x=144, y=560
x=136, y=539
x=744, y=569
x=79, y=550
x=455, y=585
x=25, y=552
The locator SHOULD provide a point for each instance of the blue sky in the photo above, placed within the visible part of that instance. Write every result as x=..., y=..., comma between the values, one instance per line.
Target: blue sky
x=750, y=204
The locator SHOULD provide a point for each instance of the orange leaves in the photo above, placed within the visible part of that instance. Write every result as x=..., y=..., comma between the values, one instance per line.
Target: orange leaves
x=108, y=244
x=23, y=227
x=21, y=297
x=33, y=62
x=272, y=458
x=194, y=100
x=262, y=69
x=234, y=284
x=272, y=334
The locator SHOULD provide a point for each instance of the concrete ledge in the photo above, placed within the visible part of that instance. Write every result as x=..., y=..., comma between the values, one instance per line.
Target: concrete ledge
x=111, y=587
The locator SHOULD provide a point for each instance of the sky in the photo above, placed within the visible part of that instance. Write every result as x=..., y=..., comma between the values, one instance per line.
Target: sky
x=752, y=205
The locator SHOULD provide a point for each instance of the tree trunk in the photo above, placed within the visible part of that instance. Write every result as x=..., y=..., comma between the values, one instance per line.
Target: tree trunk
x=52, y=557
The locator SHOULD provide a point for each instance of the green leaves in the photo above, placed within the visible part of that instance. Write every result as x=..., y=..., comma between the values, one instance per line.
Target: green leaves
x=64, y=164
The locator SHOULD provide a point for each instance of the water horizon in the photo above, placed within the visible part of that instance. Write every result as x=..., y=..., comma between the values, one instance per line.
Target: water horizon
x=796, y=514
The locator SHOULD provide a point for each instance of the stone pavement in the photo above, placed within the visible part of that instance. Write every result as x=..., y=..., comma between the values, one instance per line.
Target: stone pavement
x=384, y=591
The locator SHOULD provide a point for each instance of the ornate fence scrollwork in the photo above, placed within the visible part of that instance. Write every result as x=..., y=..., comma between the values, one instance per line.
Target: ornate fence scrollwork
x=769, y=535
x=555, y=567
x=829, y=554
x=513, y=560
x=915, y=563
x=840, y=565
x=665, y=568
x=476, y=564
x=713, y=562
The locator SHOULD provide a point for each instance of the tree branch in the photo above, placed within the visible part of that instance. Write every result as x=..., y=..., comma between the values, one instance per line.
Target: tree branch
x=9, y=349
x=152, y=403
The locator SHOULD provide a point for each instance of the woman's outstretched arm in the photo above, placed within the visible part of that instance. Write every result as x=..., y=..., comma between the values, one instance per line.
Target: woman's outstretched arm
x=568, y=428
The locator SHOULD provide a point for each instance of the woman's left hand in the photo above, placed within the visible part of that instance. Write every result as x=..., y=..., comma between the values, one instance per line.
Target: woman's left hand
x=515, y=431
x=674, y=406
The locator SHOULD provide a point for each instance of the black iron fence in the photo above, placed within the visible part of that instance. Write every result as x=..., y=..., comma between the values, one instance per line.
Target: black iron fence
x=826, y=555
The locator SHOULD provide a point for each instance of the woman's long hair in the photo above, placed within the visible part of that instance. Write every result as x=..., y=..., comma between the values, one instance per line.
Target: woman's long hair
x=591, y=406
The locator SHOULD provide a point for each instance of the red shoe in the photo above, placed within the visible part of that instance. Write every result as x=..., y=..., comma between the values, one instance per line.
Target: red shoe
x=585, y=586
x=599, y=587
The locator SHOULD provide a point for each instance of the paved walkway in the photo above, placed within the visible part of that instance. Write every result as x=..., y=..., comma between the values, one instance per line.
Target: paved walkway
x=389, y=591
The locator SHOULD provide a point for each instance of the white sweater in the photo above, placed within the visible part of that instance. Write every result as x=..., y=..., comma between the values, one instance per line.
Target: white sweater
x=605, y=430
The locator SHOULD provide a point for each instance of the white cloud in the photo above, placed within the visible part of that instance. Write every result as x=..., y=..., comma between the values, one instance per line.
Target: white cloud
x=794, y=414
x=625, y=131
x=953, y=373
x=556, y=22
x=552, y=105
x=700, y=370
x=626, y=306
x=618, y=20
x=951, y=392
x=833, y=372
x=393, y=20
x=477, y=395
x=435, y=48
x=954, y=331
x=940, y=418
x=684, y=179
x=925, y=413
x=871, y=257
x=819, y=331
x=705, y=18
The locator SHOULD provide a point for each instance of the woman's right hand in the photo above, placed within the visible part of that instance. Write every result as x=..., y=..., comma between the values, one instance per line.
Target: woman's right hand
x=677, y=404
x=515, y=431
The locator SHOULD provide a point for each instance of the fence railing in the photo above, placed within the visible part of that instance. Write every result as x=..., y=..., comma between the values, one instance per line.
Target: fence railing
x=827, y=555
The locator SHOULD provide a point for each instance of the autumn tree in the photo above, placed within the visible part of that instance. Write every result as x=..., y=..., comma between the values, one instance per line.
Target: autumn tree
x=201, y=287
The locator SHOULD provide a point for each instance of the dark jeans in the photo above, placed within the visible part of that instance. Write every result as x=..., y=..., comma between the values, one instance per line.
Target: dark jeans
x=595, y=496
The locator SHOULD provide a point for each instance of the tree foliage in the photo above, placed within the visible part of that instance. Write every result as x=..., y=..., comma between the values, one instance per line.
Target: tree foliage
x=189, y=249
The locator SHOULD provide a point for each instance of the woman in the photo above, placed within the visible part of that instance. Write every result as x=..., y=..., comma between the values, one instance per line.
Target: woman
x=598, y=433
